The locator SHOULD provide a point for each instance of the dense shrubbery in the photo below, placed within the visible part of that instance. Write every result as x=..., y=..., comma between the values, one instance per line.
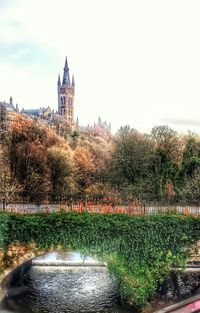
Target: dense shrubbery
x=161, y=166
x=139, y=250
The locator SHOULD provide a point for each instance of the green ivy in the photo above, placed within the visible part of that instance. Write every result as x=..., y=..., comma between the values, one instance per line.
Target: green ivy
x=139, y=250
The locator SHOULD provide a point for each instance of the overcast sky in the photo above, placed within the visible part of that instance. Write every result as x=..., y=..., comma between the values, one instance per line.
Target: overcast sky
x=135, y=62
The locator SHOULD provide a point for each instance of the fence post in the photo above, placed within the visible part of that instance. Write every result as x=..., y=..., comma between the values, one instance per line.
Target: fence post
x=4, y=204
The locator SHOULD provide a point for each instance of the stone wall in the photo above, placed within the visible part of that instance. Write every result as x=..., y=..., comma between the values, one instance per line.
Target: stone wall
x=15, y=255
x=180, y=285
x=195, y=252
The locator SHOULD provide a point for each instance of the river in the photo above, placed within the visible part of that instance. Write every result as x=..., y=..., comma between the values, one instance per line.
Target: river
x=64, y=289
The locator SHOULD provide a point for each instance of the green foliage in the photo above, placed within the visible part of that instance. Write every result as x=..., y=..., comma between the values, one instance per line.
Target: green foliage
x=131, y=160
x=4, y=230
x=138, y=250
x=191, y=158
x=188, y=176
x=166, y=158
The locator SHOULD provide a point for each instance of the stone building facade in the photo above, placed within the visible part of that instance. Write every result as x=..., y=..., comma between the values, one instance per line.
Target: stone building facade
x=7, y=111
x=65, y=107
x=9, y=106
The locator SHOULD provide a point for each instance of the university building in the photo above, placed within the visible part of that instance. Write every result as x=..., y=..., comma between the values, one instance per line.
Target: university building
x=65, y=106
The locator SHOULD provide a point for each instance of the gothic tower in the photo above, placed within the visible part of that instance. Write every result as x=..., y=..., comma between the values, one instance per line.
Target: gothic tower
x=66, y=95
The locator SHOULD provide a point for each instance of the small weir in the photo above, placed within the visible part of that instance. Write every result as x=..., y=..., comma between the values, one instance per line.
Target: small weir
x=63, y=283
x=66, y=259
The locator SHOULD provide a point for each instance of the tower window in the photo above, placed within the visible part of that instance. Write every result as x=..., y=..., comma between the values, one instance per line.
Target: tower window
x=63, y=100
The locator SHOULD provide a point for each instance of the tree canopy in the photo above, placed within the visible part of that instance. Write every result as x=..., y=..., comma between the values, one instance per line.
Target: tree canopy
x=43, y=164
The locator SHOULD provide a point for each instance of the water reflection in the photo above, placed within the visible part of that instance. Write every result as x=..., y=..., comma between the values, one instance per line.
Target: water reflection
x=66, y=289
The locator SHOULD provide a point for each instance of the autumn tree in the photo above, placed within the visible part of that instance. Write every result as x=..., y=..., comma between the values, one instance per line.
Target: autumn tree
x=84, y=168
x=60, y=161
x=159, y=166
x=100, y=153
x=9, y=186
x=29, y=160
x=74, y=139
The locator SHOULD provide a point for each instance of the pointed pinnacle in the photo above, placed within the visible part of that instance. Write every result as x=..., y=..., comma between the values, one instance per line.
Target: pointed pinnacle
x=66, y=64
x=73, y=81
x=59, y=79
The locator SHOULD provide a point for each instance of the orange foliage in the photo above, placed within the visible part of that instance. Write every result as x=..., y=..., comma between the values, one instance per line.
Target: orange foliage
x=83, y=159
x=19, y=122
x=170, y=189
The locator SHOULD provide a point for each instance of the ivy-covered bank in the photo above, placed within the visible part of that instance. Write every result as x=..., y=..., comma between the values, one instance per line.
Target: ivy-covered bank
x=139, y=250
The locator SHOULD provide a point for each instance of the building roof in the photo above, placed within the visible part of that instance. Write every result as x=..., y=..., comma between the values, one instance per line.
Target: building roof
x=7, y=106
x=34, y=112
x=37, y=112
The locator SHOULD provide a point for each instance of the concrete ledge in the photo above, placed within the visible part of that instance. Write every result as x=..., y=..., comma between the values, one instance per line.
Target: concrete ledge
x=67, y=264
x=180, y=305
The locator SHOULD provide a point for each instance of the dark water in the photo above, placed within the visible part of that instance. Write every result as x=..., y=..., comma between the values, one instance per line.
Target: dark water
x=63, y=290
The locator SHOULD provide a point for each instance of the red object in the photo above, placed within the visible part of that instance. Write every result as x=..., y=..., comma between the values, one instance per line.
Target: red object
x=189, y=308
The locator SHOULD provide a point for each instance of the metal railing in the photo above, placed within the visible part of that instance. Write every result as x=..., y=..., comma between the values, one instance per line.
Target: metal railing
x=99, y=203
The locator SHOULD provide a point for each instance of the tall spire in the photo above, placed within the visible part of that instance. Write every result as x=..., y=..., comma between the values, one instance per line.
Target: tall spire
x=59, y=80
x=66, y=63
x=73, y=81
x=66, y=78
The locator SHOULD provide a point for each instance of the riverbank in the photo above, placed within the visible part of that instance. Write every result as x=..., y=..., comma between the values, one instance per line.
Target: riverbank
x=178, y=287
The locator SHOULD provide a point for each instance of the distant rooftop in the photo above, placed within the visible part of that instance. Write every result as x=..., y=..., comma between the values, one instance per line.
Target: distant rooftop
x=9, y=106
x=34, y=112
